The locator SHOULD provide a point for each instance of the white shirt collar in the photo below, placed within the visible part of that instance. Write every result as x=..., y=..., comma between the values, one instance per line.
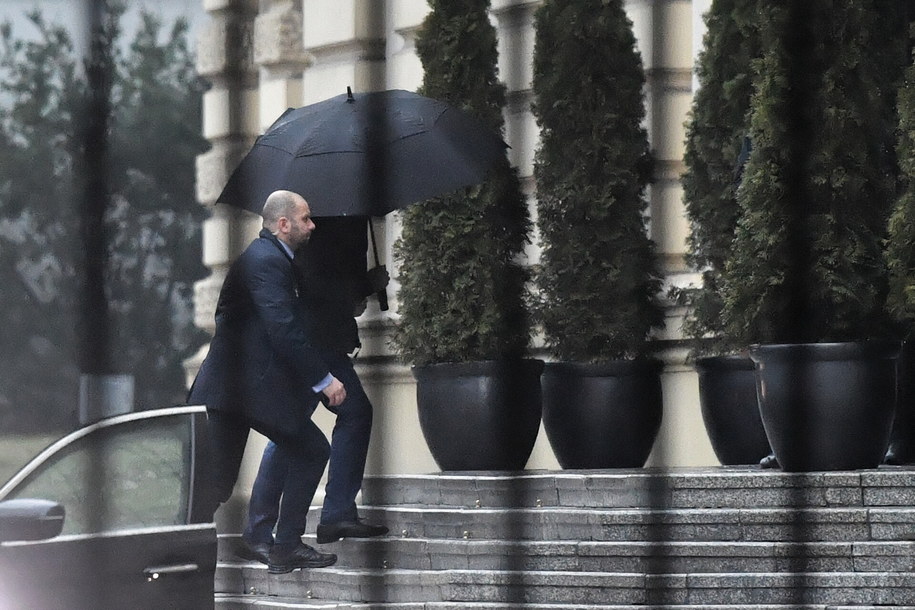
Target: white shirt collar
x=286, y=248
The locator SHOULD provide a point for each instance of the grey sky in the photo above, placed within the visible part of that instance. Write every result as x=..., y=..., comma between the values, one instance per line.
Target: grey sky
x=73, y=13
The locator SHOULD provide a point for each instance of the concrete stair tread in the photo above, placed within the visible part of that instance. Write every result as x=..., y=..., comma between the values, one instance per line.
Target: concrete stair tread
x=686, y=487
x=711, y=524
x=690, y=539
x=528, y=586
x=267, y=602
x=779, y=578
x=668, y=556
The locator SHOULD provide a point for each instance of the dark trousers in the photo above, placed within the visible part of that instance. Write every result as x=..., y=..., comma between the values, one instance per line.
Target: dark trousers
x=348, y=451
x=303, y=457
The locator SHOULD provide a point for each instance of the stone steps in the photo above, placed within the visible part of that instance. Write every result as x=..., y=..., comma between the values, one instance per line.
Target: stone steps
x=707, y=524
x=724, y=487
x=244, y=602
x=712, y=538
x=590, y=588
x=603, y=556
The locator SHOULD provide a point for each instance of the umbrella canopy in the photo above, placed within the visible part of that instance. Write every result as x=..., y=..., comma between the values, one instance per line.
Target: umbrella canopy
x=365, y=154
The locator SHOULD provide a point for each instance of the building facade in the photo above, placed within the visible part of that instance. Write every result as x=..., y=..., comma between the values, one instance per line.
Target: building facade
x=263, y=56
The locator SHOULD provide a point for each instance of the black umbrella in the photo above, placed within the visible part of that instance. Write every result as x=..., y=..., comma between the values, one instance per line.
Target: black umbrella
x=365, y=154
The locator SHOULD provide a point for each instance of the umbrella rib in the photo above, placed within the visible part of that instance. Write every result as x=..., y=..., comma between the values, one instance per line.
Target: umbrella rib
x=328, y=152
x=354, y=152
x=266, y=145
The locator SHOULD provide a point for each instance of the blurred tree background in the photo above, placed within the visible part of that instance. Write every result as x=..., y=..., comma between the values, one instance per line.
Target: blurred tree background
x=152, y=220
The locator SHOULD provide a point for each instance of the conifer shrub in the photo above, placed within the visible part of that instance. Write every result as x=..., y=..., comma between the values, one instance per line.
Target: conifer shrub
x=598, y=279
x=901, y=245
x=717, y=144
x=463, y=287
x=807, y=262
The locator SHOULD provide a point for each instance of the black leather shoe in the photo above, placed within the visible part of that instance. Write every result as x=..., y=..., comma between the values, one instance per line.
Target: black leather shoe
x=332, y=532
x=255, y=551
x=769, y=462
x=302, y=556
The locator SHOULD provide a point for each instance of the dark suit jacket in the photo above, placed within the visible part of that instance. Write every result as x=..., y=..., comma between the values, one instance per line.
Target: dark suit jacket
x=261, y=363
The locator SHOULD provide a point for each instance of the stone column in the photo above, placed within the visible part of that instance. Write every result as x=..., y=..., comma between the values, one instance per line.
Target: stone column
x=663, y=29
x=348, y=49
x=280, y=54
x=230, y=124
x=403, y=71
x=515, y=23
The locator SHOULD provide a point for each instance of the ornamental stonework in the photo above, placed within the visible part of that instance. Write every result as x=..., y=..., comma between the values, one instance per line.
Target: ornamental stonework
x=215, y=166
x=278, y=38
x=224, y=47
x=206, y=293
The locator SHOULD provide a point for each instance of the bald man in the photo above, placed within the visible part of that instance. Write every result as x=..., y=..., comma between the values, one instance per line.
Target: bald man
x=262, y=372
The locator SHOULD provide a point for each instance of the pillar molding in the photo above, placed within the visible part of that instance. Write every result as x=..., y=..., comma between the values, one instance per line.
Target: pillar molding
x=225, y=59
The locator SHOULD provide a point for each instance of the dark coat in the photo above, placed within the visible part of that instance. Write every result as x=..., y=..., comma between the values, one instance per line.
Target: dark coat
x=261, y=362
x=333, y=270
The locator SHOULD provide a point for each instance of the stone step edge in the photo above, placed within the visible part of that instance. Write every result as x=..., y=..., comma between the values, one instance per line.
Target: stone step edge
x=685, y=477
x=739, y=486
x=277, y=603
x=633, y=579
x=613, y=510
x=785, y=514
x=459, y=522
x=612, y=556
x=547, y=587
x=678, y=548
x=678, y=474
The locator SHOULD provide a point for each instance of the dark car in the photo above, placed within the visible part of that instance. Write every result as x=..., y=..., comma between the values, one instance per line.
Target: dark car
x=109, y=517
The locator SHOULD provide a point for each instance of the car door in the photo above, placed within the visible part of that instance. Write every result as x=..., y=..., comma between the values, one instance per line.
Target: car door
x=132, y=536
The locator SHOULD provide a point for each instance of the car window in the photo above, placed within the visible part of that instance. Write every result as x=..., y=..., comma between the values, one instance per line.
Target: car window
x=135, y=474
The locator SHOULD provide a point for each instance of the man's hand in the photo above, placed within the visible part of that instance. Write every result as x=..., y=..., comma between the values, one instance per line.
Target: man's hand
x=335, y=392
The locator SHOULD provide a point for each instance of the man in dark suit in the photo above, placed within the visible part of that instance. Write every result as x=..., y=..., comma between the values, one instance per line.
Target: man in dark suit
x=262, y=372
x=335, y=284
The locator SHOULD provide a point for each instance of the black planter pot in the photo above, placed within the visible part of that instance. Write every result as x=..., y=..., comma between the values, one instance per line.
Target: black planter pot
x=902, y=439
x=480, y=415
x=727, y=399
x=827, y=406
x=602, y=415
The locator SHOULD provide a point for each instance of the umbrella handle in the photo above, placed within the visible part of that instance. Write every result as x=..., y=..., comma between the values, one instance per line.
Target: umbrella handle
x=381, y=294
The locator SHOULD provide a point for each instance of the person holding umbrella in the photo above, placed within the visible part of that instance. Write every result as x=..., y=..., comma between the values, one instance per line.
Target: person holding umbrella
x=262, y=372
x=351, y=156
x=335, y=285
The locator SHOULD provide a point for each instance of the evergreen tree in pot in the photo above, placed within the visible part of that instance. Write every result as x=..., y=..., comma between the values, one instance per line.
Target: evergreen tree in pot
x=807, y=277
x=598, y=278
x=717, y=147
x=464, y=322
x=900, y=253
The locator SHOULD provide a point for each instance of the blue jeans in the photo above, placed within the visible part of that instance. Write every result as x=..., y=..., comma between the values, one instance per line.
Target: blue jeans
x=348, y=450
